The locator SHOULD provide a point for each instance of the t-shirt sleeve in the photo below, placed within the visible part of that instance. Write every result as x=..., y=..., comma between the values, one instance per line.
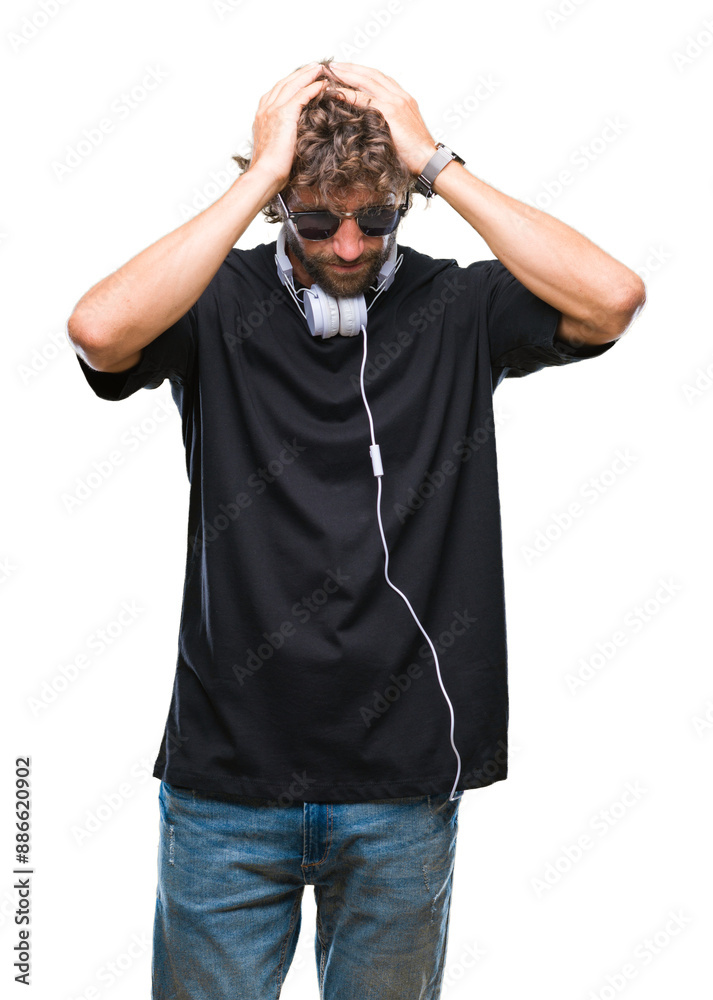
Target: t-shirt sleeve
x=171, y=355
x=522, y=328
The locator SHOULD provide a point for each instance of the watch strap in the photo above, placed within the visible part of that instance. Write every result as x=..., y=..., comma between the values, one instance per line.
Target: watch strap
x=441, y=158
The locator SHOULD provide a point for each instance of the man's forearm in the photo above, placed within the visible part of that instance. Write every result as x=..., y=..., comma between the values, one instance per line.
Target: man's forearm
x=551, y=259
x=128, y=309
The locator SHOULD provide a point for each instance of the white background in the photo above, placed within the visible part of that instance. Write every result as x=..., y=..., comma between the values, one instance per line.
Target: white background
x=644, y=719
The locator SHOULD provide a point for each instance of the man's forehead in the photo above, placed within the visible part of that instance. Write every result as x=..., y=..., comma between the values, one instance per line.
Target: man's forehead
x=308, y=199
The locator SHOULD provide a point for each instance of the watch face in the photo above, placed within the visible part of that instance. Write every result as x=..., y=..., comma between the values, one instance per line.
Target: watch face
x=453, y=155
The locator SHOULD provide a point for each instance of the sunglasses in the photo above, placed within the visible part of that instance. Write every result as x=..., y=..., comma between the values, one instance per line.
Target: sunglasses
x=376, y=220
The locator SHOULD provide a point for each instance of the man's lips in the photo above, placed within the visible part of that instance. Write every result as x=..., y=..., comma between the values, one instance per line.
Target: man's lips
x=348, y=267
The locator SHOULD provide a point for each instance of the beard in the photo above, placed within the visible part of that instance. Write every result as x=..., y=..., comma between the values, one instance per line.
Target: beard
x=341, y=283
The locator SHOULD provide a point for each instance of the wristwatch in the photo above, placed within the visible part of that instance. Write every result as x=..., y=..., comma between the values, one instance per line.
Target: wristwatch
x=442, y=157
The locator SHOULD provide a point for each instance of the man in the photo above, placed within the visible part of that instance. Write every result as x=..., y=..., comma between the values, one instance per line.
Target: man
x=328, y=713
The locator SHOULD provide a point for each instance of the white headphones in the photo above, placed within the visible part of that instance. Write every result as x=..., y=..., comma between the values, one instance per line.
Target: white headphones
x=325, y=315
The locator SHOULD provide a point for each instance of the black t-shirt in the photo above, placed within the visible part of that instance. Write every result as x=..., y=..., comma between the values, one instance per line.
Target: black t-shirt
x=301, y=675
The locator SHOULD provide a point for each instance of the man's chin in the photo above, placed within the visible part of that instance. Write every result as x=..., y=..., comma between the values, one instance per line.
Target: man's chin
x=339, y=283
x=346, y=288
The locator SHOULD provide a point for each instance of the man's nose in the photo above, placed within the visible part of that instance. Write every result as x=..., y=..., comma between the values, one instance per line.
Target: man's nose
x=348, y=241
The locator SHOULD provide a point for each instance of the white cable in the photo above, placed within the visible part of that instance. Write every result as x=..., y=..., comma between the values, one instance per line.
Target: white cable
x=376, y=462
x=294, y=293
x=381, y=287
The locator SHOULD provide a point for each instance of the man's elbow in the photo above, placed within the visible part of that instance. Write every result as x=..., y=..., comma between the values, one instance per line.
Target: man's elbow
x=88, y=344
x=634, y=300
x=616, y=320
x=79, y=337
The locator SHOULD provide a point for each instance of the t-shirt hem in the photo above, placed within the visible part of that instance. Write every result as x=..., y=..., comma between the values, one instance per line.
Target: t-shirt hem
x=303, y=789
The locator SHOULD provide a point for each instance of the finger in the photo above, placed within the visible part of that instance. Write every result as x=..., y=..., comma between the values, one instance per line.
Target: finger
x=363, y=99
x=355, y=67
x=358, y=97
x=288, y=86
x=291, y=83
x=300, y=97
x=300, y=71
x=352, y=72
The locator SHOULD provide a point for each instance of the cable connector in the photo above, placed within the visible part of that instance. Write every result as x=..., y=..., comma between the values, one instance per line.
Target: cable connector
x=375, y=453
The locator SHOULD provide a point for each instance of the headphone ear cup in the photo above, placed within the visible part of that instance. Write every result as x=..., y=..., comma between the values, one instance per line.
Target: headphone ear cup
x=327, y=316
x=322, y=312
x=352, y=315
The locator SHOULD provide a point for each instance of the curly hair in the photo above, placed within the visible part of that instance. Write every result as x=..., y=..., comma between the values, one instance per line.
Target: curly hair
x=341, y=145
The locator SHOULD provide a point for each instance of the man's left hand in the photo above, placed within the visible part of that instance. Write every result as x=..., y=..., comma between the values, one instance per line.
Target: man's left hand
x=413, y=141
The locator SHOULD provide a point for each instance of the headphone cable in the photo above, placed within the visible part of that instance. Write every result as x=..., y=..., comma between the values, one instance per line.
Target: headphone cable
x=375, y=453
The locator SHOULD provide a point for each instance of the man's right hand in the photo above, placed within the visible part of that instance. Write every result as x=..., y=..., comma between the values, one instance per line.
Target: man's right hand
x=275, y=125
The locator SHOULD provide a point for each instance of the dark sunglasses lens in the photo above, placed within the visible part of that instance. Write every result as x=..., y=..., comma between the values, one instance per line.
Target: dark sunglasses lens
x=379, y=222
x=321, y=225
x=317, y=225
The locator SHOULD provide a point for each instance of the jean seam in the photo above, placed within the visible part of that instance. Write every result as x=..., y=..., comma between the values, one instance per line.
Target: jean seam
x=322, y=942
x=283, y=950
x=328, y=843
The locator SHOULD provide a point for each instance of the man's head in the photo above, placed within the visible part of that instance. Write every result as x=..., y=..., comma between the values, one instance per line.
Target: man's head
x=346, y=263
x=345, y=159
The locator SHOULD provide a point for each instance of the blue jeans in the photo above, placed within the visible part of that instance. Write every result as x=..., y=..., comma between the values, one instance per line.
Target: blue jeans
x=232, y=872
